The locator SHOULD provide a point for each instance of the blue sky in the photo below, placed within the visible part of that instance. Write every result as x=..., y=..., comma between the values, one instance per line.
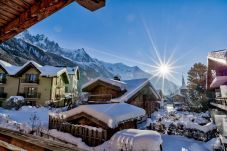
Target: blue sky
x=123, y=29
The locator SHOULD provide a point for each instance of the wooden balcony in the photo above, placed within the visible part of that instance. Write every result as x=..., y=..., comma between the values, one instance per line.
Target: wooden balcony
x=99, y=98
x=30, y=81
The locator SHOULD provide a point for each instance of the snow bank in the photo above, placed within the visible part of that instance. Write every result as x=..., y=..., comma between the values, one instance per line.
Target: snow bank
x=111, y=114
x=206, y=128
x=135, y=140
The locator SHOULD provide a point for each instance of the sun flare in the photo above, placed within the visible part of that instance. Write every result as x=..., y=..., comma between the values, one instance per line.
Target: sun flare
x=164, y=69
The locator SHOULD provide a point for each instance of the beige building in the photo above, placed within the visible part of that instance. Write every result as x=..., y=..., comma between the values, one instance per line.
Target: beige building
x=37, y=84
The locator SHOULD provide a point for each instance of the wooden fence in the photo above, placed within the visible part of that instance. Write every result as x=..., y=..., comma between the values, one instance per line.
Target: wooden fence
x=92, y=136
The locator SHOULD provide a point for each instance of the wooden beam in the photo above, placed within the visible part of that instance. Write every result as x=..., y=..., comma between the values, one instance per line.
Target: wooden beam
x=92, y=5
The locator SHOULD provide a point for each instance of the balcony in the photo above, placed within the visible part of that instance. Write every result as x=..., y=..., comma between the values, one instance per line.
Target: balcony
x=3, y=95
x=99, y=98
x=30, y=96
x=30, y=81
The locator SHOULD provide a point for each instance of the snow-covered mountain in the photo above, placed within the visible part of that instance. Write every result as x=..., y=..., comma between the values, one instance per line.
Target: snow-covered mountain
x=44, y=51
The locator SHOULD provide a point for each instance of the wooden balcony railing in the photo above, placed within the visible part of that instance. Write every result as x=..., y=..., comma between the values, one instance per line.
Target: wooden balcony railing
x=30, y=81
x=99, y=98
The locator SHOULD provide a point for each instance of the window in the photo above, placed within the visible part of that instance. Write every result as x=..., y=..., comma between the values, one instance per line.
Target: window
x=2, y=77
x=30, y=91
x=1, y=90
x=31, y=77
x=66, y=89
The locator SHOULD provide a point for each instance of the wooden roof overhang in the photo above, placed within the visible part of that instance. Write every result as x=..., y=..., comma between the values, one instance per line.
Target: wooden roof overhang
x=18, y=15
x=101, y=83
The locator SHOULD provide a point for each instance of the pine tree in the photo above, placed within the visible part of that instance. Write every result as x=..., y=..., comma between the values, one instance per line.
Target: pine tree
x=197, y=87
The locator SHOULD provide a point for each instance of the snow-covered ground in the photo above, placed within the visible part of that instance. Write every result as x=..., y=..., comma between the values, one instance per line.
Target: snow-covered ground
x=181, y=143
x=22, y=117
x=25, y=117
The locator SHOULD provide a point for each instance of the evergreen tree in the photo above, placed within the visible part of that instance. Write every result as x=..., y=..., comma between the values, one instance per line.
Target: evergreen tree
x=197, y=87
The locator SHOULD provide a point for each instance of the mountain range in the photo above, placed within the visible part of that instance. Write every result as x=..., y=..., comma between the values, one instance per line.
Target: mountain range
x=41, y=49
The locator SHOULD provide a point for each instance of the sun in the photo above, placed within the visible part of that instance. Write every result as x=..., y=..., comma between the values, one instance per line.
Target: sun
x=164, y=69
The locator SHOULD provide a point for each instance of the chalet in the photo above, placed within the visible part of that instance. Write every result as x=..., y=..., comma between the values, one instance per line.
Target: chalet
x=36, y=83
x=97, y=118
x=138, y=92
x=217, y=85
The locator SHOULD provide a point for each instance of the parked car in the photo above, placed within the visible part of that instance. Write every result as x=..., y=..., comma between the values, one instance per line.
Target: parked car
x=14, y=102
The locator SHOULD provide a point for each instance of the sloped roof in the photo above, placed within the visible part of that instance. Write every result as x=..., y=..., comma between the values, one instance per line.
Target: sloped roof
x=119, y=84
x=133, y=86
x=111, y=114
x=9, y=68
x=48, y=71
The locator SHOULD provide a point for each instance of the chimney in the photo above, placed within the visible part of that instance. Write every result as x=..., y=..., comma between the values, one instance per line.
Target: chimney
x=117, y=77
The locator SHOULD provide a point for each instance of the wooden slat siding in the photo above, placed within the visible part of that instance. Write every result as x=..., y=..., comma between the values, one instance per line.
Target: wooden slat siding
x=20, y=4
x=7, y=14
x=14, y=4
x=9, y=9
x=30, y=2
x=17, y=9
x=89, y=136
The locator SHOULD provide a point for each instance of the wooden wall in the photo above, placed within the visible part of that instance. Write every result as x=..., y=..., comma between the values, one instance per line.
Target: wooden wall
x=145, y=99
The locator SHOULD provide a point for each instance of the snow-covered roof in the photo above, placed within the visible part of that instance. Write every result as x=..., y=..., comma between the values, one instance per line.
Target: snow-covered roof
x=48, y=71
x=111, y=114
x=136, y=140
x=120, y=84
x=132, y=87
x=219, y=80
x=11, y=69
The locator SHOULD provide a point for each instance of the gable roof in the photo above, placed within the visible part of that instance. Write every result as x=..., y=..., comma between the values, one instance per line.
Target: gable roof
x=131, y=86
x=111, y=114
x=121, y=85
x=47, y=71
